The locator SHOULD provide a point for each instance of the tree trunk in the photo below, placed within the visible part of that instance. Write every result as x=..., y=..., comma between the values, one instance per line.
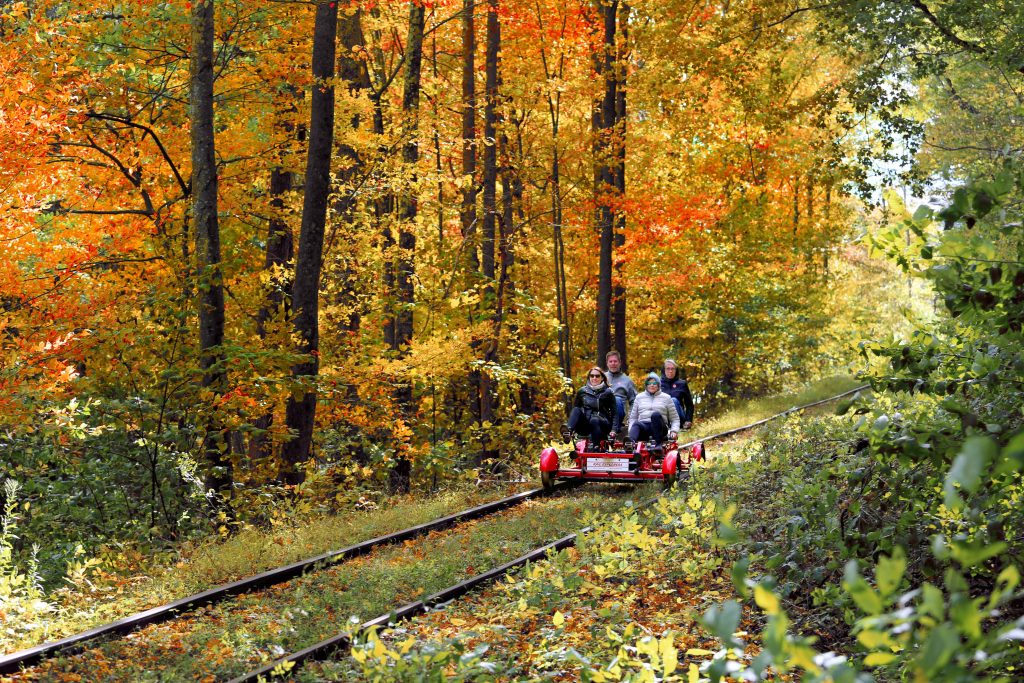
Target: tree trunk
x=352, y=72
x=605, y=182
x=409, y=208
x=490, y=172
x=279, y=252
x=206, y=232
x=490, y=217
x=558, y=243
x=562, y=303
x=469, y=189
x=619, y=174
x=300, y=414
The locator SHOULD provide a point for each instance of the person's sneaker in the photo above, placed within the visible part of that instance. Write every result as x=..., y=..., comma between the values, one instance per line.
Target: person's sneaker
x=566, y=433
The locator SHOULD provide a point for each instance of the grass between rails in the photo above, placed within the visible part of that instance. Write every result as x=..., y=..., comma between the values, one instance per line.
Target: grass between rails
x=226, y=640
x=108, y=597
x=622, y=605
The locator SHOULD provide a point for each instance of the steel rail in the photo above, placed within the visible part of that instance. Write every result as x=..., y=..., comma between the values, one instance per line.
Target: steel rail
x=784, y=413
x=16, y=661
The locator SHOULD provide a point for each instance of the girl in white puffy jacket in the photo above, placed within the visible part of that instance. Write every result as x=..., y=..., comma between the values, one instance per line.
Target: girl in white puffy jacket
x=654, y=414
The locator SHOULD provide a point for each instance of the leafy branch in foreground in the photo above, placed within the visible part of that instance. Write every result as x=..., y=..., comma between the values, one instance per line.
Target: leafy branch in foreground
x=936, y=458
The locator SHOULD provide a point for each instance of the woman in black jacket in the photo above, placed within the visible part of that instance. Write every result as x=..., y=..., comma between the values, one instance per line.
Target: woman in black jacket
x=593, y=414
x=676, y=387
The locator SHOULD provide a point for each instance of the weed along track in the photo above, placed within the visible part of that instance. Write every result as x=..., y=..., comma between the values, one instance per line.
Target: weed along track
x=306, y=608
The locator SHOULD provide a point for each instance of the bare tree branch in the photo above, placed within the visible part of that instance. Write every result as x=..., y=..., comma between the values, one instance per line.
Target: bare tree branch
x=148, y=131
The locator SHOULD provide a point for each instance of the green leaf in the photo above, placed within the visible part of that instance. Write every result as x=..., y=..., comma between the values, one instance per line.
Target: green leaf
x=938, y=649
x=933, y=603
x=975, y=551
x=954, y=406
x=739, y=576
x=873, y=640
x=722, y=620
x=863, y=595
x=1006, y=583
x=890, y=570
x=967, y=617
x=844, y=406
x=975, y=455
x=940, y=549
x=1012, y=457
x=726, y=531
x=960, y=200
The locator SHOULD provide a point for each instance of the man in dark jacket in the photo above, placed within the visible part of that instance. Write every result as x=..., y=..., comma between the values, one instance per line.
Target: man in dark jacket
x=676, y=387
x=593, y=414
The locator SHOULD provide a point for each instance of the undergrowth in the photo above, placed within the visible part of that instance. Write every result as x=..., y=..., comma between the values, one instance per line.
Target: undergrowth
x=884, y=543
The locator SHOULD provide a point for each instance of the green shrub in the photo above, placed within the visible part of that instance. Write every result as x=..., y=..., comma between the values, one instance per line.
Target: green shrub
x=21, y=595
x=899, y=534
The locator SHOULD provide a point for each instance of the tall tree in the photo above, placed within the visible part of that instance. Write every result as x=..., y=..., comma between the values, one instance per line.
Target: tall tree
x=206, y=230
x=469, y=187
x=409, y=209
x=604, y=119
x=300, y=414
x=492, y=116
x=279, y=252
x=618, y=147
x=554, y=72
x=354, y=74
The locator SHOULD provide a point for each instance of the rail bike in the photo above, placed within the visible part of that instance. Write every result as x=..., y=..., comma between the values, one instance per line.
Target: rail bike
x=621, y=461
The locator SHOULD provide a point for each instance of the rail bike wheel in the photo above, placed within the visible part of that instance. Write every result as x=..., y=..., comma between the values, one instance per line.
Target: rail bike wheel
x=547, y=480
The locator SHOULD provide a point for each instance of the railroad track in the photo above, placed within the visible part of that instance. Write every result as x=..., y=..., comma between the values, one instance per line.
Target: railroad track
x=19, y=661
x=324, y=649
x=22, y=659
